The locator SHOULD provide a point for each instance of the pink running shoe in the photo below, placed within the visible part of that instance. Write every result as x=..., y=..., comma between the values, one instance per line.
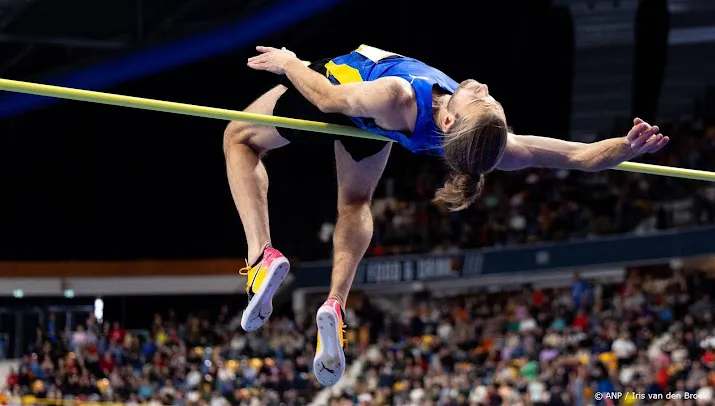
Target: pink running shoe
x=264, y=278
x=329, y=361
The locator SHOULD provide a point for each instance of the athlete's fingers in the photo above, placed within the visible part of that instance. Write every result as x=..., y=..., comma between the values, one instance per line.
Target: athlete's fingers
x=651, y=141
x=652, y=136
x=637, y=121
x=258, y=57
x=644, y=138
x=650, y=132
x=257, y=65
x=662, y=141
x=636, y=131
x=263, y=49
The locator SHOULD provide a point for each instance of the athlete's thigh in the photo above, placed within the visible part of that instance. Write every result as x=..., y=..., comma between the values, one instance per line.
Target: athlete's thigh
x=260, y=137
x=357, y=180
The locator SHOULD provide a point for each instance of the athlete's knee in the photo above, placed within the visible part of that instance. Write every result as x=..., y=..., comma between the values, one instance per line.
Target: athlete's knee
x=355, y=188
x=350, y=201
x=237, y=133
x=357, y=180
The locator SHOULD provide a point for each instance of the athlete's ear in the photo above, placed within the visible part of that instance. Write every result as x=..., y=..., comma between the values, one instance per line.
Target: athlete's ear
x=447, y=122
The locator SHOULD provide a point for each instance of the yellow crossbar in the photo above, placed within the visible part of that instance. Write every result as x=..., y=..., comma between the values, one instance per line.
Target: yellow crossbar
x=283, y=122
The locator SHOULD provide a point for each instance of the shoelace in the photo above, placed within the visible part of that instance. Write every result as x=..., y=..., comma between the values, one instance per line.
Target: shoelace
x=244, y=272
x=344, y=329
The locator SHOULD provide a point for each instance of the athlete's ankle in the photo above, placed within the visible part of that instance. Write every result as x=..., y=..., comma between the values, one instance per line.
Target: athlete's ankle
x=255, y=256
x=338, y=298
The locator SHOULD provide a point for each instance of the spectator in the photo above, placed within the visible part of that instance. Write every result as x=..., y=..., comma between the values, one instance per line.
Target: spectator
x=624, y=349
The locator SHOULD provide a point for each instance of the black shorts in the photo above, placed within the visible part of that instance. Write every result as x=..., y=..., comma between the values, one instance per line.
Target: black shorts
x=292, y=104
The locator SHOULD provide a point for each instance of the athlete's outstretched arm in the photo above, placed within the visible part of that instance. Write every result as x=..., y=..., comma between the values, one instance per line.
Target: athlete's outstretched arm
x=523, y=151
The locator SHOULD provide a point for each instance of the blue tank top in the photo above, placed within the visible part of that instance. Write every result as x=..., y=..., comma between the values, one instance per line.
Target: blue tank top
x=368, y=63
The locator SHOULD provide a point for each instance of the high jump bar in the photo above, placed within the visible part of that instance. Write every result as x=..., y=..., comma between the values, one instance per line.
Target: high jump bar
x=282, y=122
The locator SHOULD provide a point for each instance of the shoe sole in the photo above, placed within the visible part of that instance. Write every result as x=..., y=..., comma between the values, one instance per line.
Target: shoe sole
x=260, y=307
x=329, y=361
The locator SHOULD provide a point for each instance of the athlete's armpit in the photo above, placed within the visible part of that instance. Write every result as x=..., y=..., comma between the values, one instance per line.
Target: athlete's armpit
x=380, y=99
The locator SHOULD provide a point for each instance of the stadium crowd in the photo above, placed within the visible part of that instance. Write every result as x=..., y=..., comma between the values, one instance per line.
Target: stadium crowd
x=647, y=336
x=200, y=361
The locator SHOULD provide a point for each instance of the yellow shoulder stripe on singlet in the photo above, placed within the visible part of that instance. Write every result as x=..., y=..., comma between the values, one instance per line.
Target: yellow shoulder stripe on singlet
x=343, y=73
x=347, y=74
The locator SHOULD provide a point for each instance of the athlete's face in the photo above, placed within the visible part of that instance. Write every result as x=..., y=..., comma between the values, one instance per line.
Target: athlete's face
x=466, y=95
x=470, y=99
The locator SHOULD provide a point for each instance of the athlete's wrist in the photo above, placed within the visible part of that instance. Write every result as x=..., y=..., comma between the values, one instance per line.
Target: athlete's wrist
x=290, y=64
x=621, y=153
x=627, y=150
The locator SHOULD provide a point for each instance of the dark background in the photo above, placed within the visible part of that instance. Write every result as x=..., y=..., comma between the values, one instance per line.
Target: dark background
x=85, y=181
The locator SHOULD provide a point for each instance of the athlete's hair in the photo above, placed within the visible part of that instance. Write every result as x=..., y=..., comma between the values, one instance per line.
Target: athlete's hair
x=473, y=147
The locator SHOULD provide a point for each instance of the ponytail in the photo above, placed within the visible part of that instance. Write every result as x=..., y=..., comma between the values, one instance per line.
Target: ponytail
x=459, y=192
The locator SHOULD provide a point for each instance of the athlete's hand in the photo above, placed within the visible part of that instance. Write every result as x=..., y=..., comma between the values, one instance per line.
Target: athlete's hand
x=644, y=138
x=271, y=59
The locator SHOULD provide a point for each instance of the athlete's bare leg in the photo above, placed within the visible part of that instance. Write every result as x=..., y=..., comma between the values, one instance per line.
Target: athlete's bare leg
x=242, y=145
x=353, y=231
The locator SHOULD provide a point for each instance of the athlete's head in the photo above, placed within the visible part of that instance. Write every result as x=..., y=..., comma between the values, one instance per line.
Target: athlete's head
x=475, y=134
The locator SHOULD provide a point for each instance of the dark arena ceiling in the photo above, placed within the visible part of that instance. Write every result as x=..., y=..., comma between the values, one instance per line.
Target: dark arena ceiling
x=41, y=37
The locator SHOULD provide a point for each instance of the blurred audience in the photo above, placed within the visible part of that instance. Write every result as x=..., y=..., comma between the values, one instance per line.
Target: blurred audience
x=195, y=362
x=649, y=335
